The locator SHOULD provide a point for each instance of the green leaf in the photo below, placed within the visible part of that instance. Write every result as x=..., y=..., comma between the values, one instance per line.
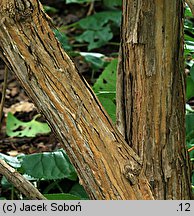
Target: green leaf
x=189, y=88
x=5, y=184
x=189, y=45
x=192, y=72
x=105, y=89
x=98, y=28
x=188, y=12
x=189, y=109
x=17, y=128
x=107, y=80
x=96, y=38
x=189, y=123
x=79, y=191
x=112, y=3
x=98, y=20
x=49, y=165
x=109, y=106
x=12, y=161
x=95, y=59
x=63, y=39
x=62, y=196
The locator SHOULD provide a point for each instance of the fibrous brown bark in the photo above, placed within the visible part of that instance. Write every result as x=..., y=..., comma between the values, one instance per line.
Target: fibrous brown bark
x=106, y=165
x=151, y=93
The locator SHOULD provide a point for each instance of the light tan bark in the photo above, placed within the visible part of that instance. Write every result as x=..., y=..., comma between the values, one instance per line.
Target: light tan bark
x=106, y=165
x=151, y=93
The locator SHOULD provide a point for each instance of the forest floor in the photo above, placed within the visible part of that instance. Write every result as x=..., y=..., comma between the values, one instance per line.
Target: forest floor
x=21, y=106
x=18, y=103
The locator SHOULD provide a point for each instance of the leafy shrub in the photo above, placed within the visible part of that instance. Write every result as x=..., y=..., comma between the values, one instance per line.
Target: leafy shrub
x=105, y=89
x=98, y=28
x=54, y=167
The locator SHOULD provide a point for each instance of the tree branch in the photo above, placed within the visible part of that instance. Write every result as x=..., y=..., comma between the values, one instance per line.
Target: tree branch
x=23, y=185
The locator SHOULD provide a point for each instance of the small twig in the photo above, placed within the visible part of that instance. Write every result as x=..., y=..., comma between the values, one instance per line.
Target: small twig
x=3, y=94
x=91, y=8
x=22, y=184
x=191, y=149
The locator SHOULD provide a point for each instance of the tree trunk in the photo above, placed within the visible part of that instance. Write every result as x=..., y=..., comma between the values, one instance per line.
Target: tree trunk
x=108, y=168
x=151, y=93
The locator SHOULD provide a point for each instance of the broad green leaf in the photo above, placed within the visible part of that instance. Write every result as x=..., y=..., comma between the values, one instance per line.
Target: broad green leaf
x=95, y=59
x=189, y=123
x=112, y=3
x=105, y=89
x=189, y=88
x=62, y=196
x=189, y=26
x=17, y=128
x=192, y=72
x=107, y=80
x=79, y=191
x=98, y=28
x=96, y=63
x=109, y=106
x=12, y=161
x=5, y=183
x=190, y=133
x=63, y=39
x=2, y=198
x=188, y=12
x=189, y=45
x=188, y=38
x=98, y=20
x=49, y=165
x=189, y=63
x=96, y=38
x=93, y=54
x=189, y=109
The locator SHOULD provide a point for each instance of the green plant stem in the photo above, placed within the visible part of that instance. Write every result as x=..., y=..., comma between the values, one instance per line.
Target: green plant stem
x=79, y=45
x=3, y=95
x=113, y=43
x=62, y=28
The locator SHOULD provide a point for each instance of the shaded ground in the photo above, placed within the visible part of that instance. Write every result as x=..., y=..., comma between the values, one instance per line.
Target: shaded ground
x=18, y=102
